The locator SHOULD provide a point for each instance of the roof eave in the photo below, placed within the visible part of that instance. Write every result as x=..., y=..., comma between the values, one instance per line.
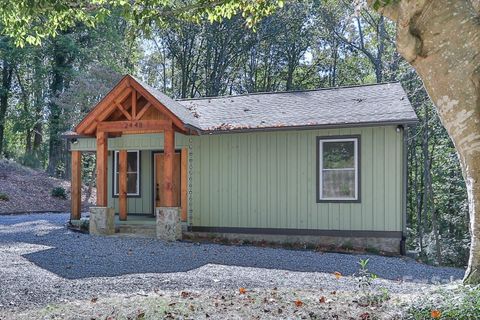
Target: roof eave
x=313, y=127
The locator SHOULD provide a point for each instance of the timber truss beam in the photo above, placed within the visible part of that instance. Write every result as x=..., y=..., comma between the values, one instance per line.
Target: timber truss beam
x=135, y=114
x=130, y=102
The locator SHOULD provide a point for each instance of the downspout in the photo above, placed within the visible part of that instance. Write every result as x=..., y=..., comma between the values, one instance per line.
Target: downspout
x=403, y=249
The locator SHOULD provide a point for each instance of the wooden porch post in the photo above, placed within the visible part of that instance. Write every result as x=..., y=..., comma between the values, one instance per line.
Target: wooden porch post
x=168, y=161
x=122, y=184
x=102, y=159
x=76, y=185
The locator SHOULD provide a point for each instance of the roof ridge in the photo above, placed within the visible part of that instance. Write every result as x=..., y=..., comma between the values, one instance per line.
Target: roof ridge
x=288, y=91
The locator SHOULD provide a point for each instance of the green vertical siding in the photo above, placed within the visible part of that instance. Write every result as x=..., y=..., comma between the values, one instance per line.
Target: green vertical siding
x=268, y=179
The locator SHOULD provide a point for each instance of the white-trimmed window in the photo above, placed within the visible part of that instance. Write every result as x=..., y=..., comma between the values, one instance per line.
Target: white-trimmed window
x=338, y=166
x=133, y=173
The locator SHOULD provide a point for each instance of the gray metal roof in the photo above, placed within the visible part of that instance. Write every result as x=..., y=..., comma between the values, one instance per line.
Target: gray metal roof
x=343, y=106
x=375, y=104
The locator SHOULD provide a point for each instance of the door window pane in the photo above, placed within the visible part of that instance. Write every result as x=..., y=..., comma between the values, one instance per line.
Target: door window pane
x=132, y=173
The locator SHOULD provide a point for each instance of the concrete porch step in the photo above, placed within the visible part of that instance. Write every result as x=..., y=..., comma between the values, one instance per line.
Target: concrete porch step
x=140, y=230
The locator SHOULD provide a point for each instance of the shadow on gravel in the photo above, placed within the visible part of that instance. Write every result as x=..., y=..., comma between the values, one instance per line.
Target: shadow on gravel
x=75, y=256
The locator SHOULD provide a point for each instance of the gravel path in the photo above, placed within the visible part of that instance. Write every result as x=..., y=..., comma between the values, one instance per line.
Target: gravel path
x=42, y=262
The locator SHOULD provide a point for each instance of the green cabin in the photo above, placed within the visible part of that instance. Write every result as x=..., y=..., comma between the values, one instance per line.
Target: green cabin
x=324, y=166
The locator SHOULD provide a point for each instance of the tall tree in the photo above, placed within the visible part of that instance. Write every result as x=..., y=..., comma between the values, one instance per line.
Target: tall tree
x=64, y=52
x=428, y=37
x=6, y=84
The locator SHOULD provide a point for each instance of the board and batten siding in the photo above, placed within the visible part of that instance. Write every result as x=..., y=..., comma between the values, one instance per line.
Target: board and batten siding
x=268, y=179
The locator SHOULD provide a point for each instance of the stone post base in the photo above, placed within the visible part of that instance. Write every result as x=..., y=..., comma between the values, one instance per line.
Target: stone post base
x=102, y=221
x=168, y=223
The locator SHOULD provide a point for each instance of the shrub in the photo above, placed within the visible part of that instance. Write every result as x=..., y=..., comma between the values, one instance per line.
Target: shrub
x=368, y=294
x=59, y=192
x=461, y=302
x=84, y=224
x=372, y=250
x=347, y=245
x=4, y=197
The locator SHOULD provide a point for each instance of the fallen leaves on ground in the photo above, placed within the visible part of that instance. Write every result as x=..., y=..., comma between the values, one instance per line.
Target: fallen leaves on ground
x=365, y=316
x=436, y=314
x=298, y=303
x=285, y=303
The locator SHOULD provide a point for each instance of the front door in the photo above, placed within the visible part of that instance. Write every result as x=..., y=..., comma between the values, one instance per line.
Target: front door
x=159, y=157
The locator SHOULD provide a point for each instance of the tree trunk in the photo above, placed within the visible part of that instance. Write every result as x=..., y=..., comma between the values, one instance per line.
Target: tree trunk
x=441, y=39
x=381, y=35
x=56, y=149
x=38, y=100
x=428, y=199
x=425, y=178
x=4, y=92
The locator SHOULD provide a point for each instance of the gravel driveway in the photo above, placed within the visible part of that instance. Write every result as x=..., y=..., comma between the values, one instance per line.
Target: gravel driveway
x=42, y=262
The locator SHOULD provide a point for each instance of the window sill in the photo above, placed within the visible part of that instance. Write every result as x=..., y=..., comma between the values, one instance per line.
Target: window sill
x=338, y=201
x=128, y=196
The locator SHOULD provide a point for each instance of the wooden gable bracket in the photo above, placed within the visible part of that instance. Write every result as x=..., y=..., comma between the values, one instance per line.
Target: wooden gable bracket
x=135, y=115
x=134, y=104
x=122, y=109
x=86, y=127
x=142, y=112
x=103, y=109
x=124, y=100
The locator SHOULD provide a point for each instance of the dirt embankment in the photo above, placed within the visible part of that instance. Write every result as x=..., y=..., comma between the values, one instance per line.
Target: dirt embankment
x=26, y=190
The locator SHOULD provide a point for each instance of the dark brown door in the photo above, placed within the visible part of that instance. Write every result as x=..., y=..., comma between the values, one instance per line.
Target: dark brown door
x=159, y=178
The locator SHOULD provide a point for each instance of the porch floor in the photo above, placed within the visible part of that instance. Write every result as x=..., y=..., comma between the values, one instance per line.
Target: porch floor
x=135, y=220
